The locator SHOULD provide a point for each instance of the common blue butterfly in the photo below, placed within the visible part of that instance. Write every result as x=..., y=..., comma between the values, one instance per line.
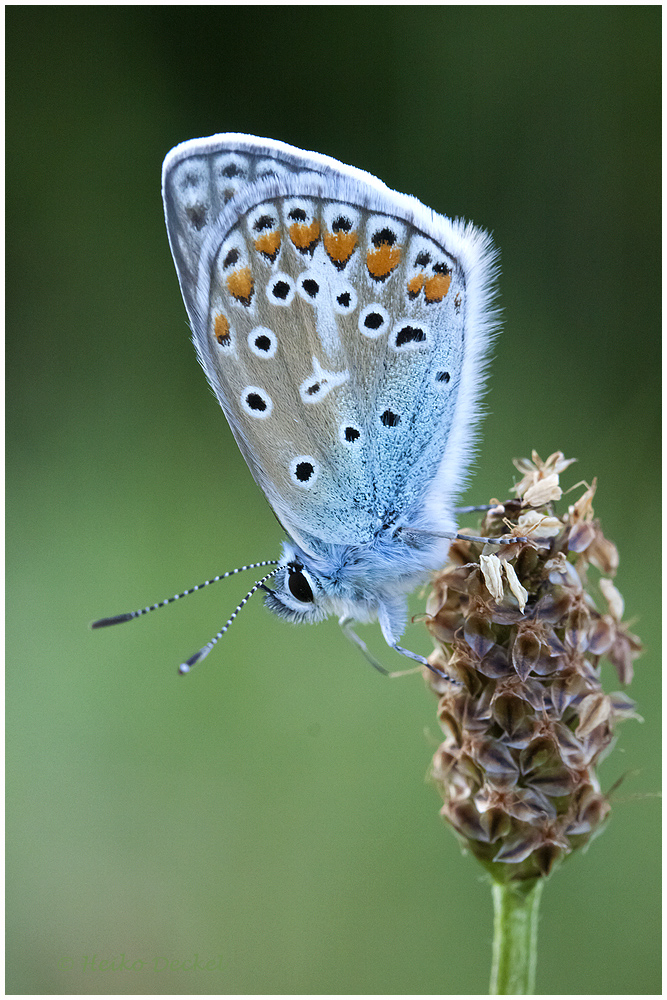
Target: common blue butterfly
x=345, y=330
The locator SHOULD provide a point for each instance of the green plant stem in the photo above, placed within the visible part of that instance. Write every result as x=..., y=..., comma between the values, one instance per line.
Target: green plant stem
x=515, y=913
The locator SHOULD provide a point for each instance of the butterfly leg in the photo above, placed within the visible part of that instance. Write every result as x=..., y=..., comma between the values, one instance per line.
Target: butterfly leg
x=346, y=625
x=413, y=656
x=475, y=508
x=462, y=536
x=423, y=661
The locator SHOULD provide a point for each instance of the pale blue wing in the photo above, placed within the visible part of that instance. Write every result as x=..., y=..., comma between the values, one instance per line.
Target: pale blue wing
x=339, y=324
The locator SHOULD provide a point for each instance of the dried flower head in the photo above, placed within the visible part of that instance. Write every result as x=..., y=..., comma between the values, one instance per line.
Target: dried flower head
x=528, y=722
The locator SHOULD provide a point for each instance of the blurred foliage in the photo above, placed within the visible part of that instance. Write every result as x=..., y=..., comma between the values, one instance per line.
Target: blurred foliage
x=269, y=813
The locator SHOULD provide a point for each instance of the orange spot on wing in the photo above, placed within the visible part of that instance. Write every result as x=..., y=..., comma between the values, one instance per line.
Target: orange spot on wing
x=221, y=329
x=304, y=237
x=340, y=246
x=241, y=285
x=415, y=285
x=268, y=244
x=436, y=287
x=382, y=261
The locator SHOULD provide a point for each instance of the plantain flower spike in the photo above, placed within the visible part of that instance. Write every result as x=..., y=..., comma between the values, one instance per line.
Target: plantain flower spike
x=528, y=722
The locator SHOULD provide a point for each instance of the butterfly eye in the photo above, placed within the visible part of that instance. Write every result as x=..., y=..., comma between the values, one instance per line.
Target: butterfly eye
x=299, y=586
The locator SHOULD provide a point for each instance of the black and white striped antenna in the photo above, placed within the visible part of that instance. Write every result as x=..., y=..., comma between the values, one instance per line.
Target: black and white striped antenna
x=197, y=657
x=185, y=667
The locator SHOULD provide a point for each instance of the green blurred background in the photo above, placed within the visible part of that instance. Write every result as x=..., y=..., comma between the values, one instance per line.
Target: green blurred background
x=271, y=812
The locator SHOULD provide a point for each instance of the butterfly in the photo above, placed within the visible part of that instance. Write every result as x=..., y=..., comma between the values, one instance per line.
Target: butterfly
x=345, y=331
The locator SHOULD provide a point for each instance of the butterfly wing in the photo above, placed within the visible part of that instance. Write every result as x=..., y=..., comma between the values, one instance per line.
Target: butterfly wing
x=342, y=326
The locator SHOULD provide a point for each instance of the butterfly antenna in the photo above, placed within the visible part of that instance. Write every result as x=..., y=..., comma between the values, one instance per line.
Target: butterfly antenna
x=186, y=667
x=128, y=616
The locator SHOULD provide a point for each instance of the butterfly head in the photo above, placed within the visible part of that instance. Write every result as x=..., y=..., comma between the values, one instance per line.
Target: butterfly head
x=298, y=594
x=306, y=588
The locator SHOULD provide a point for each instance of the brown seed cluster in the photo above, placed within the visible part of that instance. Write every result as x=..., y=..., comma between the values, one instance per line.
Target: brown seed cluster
x=527, y=721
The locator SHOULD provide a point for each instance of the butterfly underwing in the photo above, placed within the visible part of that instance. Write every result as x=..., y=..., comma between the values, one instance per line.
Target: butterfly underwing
x=345, y=330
